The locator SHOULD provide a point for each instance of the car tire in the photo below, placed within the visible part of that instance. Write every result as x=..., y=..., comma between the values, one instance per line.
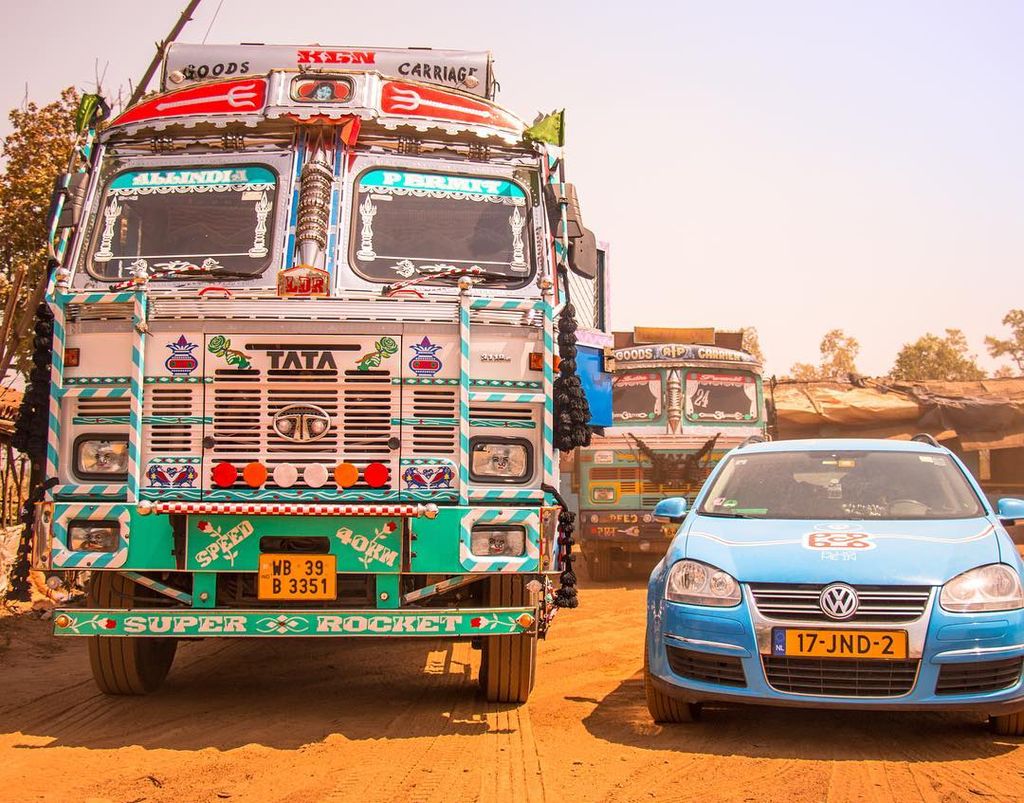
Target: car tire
x=665, y=709
x=125, y=665
x=508, y=664
x=1007, y=724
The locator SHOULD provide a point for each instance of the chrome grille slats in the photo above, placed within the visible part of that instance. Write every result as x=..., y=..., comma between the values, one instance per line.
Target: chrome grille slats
x=161, y=434
x=878, y=604
x=436, y=407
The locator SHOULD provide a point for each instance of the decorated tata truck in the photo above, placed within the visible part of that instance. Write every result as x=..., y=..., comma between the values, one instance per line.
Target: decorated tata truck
x=678, y=407
x=306, y=308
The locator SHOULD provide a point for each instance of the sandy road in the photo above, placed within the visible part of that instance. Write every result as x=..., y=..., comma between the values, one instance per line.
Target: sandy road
x=372, y=720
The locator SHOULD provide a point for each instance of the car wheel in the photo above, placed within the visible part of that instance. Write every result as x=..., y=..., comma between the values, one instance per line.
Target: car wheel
x=1007, y=724
x=663, y=708
x=125, y=665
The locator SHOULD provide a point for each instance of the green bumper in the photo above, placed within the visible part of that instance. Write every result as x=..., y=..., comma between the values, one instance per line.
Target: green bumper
x=201, y=623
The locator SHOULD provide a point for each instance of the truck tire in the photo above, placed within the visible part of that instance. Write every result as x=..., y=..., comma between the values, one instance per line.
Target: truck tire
x=508, y=664
x=599, y=565
x=125, y=665
x=1008, y=724
x=665, y=709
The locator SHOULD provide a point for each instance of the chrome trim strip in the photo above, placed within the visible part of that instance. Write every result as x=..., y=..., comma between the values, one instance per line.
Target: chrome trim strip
x=976, y=651
x=701, y=643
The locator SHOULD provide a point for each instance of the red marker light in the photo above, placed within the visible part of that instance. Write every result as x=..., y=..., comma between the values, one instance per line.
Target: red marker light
x=376, y=475
x=224, y=475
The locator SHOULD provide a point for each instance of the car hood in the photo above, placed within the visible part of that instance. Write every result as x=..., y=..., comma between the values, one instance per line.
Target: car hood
x=867, y=552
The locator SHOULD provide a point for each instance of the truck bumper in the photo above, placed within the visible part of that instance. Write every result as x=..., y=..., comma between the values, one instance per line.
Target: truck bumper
x=193, y=623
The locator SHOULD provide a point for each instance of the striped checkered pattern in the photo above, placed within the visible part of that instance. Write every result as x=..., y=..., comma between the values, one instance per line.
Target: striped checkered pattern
x=286, y=509
x=102, y=392
x=136, y=385
x=506, y=304
x=530, y=562
x=96, y=380
x=464, y=305
x=66, y=558
x=56, y=386
x=506, y=495
x=439, y=588
x=159, y=587
x=116, y=491
x=547, y=436
x=518, y=398
x=126, y=297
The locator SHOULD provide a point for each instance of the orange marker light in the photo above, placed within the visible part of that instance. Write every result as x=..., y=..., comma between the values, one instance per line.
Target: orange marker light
x=72, y=358
x=346, y=475
x=536, y=361
x=254, y=474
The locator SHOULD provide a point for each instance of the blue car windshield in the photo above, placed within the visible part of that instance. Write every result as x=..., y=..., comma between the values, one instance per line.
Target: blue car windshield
x=841, y=485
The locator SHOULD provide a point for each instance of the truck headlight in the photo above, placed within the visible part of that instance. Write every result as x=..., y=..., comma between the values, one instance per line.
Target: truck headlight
x=101, y=456
x=995, y=587
x=93, y=536
x=494, y=540
x=602, y=493
x=697, y=583
x=500, y=460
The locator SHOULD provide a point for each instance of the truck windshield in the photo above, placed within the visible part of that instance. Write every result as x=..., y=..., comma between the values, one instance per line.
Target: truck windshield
x=405, y=224
x=636, y=396
x=212, y=220
x=720, y=397
x=841, y=485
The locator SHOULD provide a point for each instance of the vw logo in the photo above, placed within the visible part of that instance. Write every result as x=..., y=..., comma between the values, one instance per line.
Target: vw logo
x=301, y=423
x=838, y=601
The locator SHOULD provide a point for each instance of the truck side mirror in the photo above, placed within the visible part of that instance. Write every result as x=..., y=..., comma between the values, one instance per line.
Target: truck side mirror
x=670, y=510
x=72, y=187
x=557, y=196
x=583, y=255
x=1010, y=511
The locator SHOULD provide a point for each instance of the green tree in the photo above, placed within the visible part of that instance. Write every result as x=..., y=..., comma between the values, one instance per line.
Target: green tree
x=35, y=153
x=838, y=359
x=933, y=357
x=1012, y=347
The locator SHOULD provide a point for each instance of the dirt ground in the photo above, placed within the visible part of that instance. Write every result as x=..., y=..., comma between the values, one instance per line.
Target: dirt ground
x=366, y=720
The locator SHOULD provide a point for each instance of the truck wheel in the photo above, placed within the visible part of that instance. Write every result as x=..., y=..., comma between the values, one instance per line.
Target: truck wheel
x=662, y=707
x=122, y=665
x=1008, y=724
x=599, y=565
x=508, y=664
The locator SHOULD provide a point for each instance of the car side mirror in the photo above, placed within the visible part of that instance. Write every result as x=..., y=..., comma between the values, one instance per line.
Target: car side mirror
x=671, y=510
x=1010, y=511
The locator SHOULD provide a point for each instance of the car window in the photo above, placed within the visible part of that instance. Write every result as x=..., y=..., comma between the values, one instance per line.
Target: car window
x=841, y=485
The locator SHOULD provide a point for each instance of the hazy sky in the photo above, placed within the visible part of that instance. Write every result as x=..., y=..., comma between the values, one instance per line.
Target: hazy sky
x=794, y=166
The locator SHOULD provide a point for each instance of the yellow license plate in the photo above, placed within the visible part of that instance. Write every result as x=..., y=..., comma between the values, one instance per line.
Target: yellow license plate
x=297, y=577
x=890, y=645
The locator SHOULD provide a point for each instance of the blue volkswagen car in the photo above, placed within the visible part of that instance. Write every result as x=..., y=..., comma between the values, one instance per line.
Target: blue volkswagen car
x=839, y=574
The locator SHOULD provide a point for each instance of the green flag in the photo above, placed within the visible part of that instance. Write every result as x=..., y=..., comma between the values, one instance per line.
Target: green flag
x=86, y=111
x=548, y=128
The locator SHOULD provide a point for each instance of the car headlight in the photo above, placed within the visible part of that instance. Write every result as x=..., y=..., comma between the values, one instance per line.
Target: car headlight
x=697, y=583
x=995, y=587
x=106, y=456
x=93, y=536
x=504, y=541
x=500, y=460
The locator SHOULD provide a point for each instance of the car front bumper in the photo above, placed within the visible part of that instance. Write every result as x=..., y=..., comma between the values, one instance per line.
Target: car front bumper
x=716, y=643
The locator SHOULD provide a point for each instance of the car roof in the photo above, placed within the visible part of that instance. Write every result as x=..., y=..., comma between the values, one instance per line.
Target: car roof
x=843, y=444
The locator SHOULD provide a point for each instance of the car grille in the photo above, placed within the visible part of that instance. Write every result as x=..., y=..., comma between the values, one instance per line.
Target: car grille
x=840, y=677
x=707, y=668
x=976, y=678
x=878, y=604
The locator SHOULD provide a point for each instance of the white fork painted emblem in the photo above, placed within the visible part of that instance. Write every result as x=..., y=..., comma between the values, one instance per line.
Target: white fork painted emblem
x=238, y=97
x=409, y=100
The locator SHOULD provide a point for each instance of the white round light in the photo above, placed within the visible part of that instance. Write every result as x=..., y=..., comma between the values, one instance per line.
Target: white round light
x=285, y=475
x=315, y=475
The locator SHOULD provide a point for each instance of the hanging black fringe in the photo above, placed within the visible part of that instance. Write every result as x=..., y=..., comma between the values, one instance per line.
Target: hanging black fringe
x=566, y=595
x=30, y=434
x=572, y=412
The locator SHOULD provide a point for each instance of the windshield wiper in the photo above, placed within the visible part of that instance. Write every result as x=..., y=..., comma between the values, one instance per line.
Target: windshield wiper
x=727, y=515
x=436, y=274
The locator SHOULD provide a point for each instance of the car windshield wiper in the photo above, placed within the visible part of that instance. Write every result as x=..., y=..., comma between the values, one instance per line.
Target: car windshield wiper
x=727, y=515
